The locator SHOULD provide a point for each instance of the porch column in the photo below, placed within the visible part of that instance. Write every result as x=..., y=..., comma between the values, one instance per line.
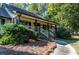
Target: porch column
x=12, y=20
x=30, y=24
x=55, y=33
x=35, y=25
x=19, y=18
x=48, y=31
x=39, y=25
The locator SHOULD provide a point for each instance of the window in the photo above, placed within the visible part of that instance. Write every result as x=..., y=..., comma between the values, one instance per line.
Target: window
x=35, y=24
x=44, y=27
x=26, y=23
x=2, y=21
x=51, y=27
x=22, y=22
x=38, y=24
x=29, y=23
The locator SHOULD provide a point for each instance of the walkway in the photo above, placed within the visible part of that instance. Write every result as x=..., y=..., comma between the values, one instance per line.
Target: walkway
x=63, y=49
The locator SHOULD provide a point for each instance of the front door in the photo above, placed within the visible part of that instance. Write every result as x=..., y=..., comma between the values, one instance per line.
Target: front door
x=3, y=21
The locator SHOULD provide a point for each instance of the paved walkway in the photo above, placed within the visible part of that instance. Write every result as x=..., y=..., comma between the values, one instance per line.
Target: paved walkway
x=64, y=49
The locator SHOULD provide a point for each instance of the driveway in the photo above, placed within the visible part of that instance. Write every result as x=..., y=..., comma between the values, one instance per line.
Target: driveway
x=63, y=49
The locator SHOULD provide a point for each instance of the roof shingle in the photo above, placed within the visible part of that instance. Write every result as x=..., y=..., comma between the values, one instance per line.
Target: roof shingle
x=4, y=13
x=13, y=8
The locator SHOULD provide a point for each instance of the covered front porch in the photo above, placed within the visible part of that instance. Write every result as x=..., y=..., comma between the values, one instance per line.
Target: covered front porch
x=44, y=29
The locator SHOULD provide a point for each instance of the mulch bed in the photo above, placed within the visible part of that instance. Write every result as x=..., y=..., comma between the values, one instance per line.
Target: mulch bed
x=31, y=48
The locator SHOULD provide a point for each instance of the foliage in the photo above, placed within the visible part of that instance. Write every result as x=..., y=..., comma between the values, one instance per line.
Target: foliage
x=7, y=39
x=17, y=33
x=63, y=33
x=39, y=9
x=24, y=6
x=33, y=7
x=66, y=15
x=19, y=5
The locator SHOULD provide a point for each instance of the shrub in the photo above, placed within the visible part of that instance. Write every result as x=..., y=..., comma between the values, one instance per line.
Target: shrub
x=7, y=39
x=18, y=33
x=8, y=26
x=63, y=33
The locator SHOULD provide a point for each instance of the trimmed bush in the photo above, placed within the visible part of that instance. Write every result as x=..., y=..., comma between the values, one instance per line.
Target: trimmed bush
x=63, y=33
x=17, y=33
x=7, y=39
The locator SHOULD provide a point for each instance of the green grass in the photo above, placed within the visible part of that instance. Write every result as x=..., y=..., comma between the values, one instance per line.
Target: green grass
x=76, y=47
x=74, y=42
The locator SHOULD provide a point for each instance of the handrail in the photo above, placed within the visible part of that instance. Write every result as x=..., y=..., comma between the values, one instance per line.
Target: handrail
x=44, y=32
x=52, y=33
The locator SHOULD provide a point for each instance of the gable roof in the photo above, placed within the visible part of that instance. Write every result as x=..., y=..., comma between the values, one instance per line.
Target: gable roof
x=13, y=8
x=4, y=13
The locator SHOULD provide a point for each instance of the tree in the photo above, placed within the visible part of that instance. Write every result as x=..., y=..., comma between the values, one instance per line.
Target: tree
x=33, y=8
x=39, y=9
x=24, y=6
x=66, y=15
x=19, y=5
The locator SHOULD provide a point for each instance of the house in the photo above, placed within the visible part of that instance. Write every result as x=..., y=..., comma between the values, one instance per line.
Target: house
x=44, y=28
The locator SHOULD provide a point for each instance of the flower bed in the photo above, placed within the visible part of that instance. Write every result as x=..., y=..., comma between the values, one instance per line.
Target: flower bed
x=31, y=48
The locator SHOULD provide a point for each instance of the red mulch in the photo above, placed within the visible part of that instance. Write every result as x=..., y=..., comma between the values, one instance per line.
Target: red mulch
x=30, y=48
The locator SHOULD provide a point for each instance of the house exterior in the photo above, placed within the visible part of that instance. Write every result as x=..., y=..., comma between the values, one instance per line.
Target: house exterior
x=44, y=28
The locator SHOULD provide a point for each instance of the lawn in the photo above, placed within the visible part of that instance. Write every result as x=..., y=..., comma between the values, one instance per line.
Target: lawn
x=76, y=46
x=74, y=42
